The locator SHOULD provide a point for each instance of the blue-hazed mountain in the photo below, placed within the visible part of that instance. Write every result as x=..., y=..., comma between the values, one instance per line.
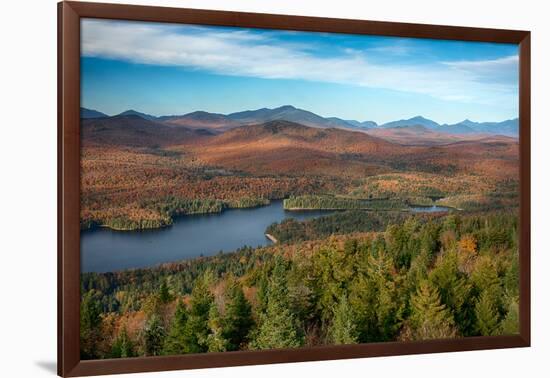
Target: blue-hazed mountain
x=218, y=123
x=415, y=121
x=91, y=113
x=509, y=127
x=362, y=125
x=201, y=120
x=136, y=113
x=288, y=113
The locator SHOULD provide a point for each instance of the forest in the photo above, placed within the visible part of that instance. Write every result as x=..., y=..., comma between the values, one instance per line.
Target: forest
x=404, y=277
x=370, y=271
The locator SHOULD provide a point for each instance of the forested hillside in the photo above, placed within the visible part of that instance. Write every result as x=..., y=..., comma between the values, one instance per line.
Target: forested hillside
x=419, y=278
x=138, y=174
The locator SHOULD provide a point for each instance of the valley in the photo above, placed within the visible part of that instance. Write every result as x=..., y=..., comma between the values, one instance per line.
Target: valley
x=139, y=173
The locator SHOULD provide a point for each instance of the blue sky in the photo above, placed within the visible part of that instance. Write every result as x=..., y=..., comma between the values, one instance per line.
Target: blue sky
x=164, y=69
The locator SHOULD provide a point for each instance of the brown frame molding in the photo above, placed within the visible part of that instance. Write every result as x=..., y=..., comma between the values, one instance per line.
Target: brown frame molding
x=69, y=14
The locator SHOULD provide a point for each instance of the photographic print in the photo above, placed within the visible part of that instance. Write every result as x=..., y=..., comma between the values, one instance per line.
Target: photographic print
x=250, y=189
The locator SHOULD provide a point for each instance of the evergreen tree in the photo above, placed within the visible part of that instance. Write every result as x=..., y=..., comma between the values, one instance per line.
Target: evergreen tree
x=430, y=319
x=153, y=336
x=164, y=293
x=122, y=347
x=487, y=317
x=215, y=340
x=343, y=329
x=375, y=299
x=278, y=325
x=90, y=326
x=510, y=324
x=454, y=289
x=485, y=278
x=237, y=320
x=196, y=328
x=174, y=343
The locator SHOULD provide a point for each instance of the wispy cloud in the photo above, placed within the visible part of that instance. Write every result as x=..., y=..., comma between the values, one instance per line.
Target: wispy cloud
x=251, y=54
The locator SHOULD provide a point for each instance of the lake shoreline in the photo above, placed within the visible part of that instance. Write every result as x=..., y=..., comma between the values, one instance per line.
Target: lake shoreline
x=272, y=238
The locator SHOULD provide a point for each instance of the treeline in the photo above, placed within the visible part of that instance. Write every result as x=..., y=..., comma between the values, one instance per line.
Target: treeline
x=173, y=206
x=328, y=202
x=161, y=212
x=447, y=277
x=291, y=230
x=482, y=202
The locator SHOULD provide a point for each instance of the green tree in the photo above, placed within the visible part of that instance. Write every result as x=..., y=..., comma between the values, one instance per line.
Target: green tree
x=164, y=293
x=174, y=342
x=487, y=317
x=153, y=336
x=215, y=340
x=90, y=325
x=510, y=324
x=196, y=328
x=122, y=347
x=237, y=320
x=430, y=319
x=278, y=325
x=343, y=329
x=375, y=299
x=455, y=290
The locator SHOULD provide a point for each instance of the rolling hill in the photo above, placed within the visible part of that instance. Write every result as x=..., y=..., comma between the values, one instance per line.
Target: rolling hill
x=201, y=120
x=283, y=147
x=420, y=136
x=288, y=113
x=133, y=131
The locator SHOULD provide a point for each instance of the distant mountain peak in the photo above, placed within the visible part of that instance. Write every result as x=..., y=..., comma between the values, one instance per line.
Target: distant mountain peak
x=91, y=113
x=135, y=112
x=414, y=121
x=286, y=107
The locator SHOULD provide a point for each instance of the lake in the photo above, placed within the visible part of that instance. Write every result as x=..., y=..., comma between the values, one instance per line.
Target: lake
x=105, y=250
x=429, y=209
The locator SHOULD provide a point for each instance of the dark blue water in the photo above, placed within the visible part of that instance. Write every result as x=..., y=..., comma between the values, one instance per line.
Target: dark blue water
x=104, y=250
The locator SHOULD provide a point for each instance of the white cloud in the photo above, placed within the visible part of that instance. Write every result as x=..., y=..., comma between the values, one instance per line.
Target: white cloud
x=243, y=53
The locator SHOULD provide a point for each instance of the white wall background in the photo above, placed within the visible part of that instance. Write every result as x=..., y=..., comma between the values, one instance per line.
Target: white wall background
x=28, y=186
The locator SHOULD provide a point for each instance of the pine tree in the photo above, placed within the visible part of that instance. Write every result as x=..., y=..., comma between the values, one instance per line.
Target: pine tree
x=196, y=329
x=487, y=318
x=430, y=319
x=510, y=324
x=278, y=325
x=215, y=340
x=237, y=320
x=164, y=293
x=90, y=325
x=153, y=336
x=374, y=298
x=343, y=329
x=122, y=347
x=454, y=289
x=174, y=343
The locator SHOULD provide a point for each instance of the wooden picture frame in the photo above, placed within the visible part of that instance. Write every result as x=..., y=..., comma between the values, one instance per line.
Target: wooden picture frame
x=69, y=15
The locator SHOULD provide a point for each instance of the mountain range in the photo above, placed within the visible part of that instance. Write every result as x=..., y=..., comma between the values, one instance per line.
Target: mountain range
x=218, y=123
